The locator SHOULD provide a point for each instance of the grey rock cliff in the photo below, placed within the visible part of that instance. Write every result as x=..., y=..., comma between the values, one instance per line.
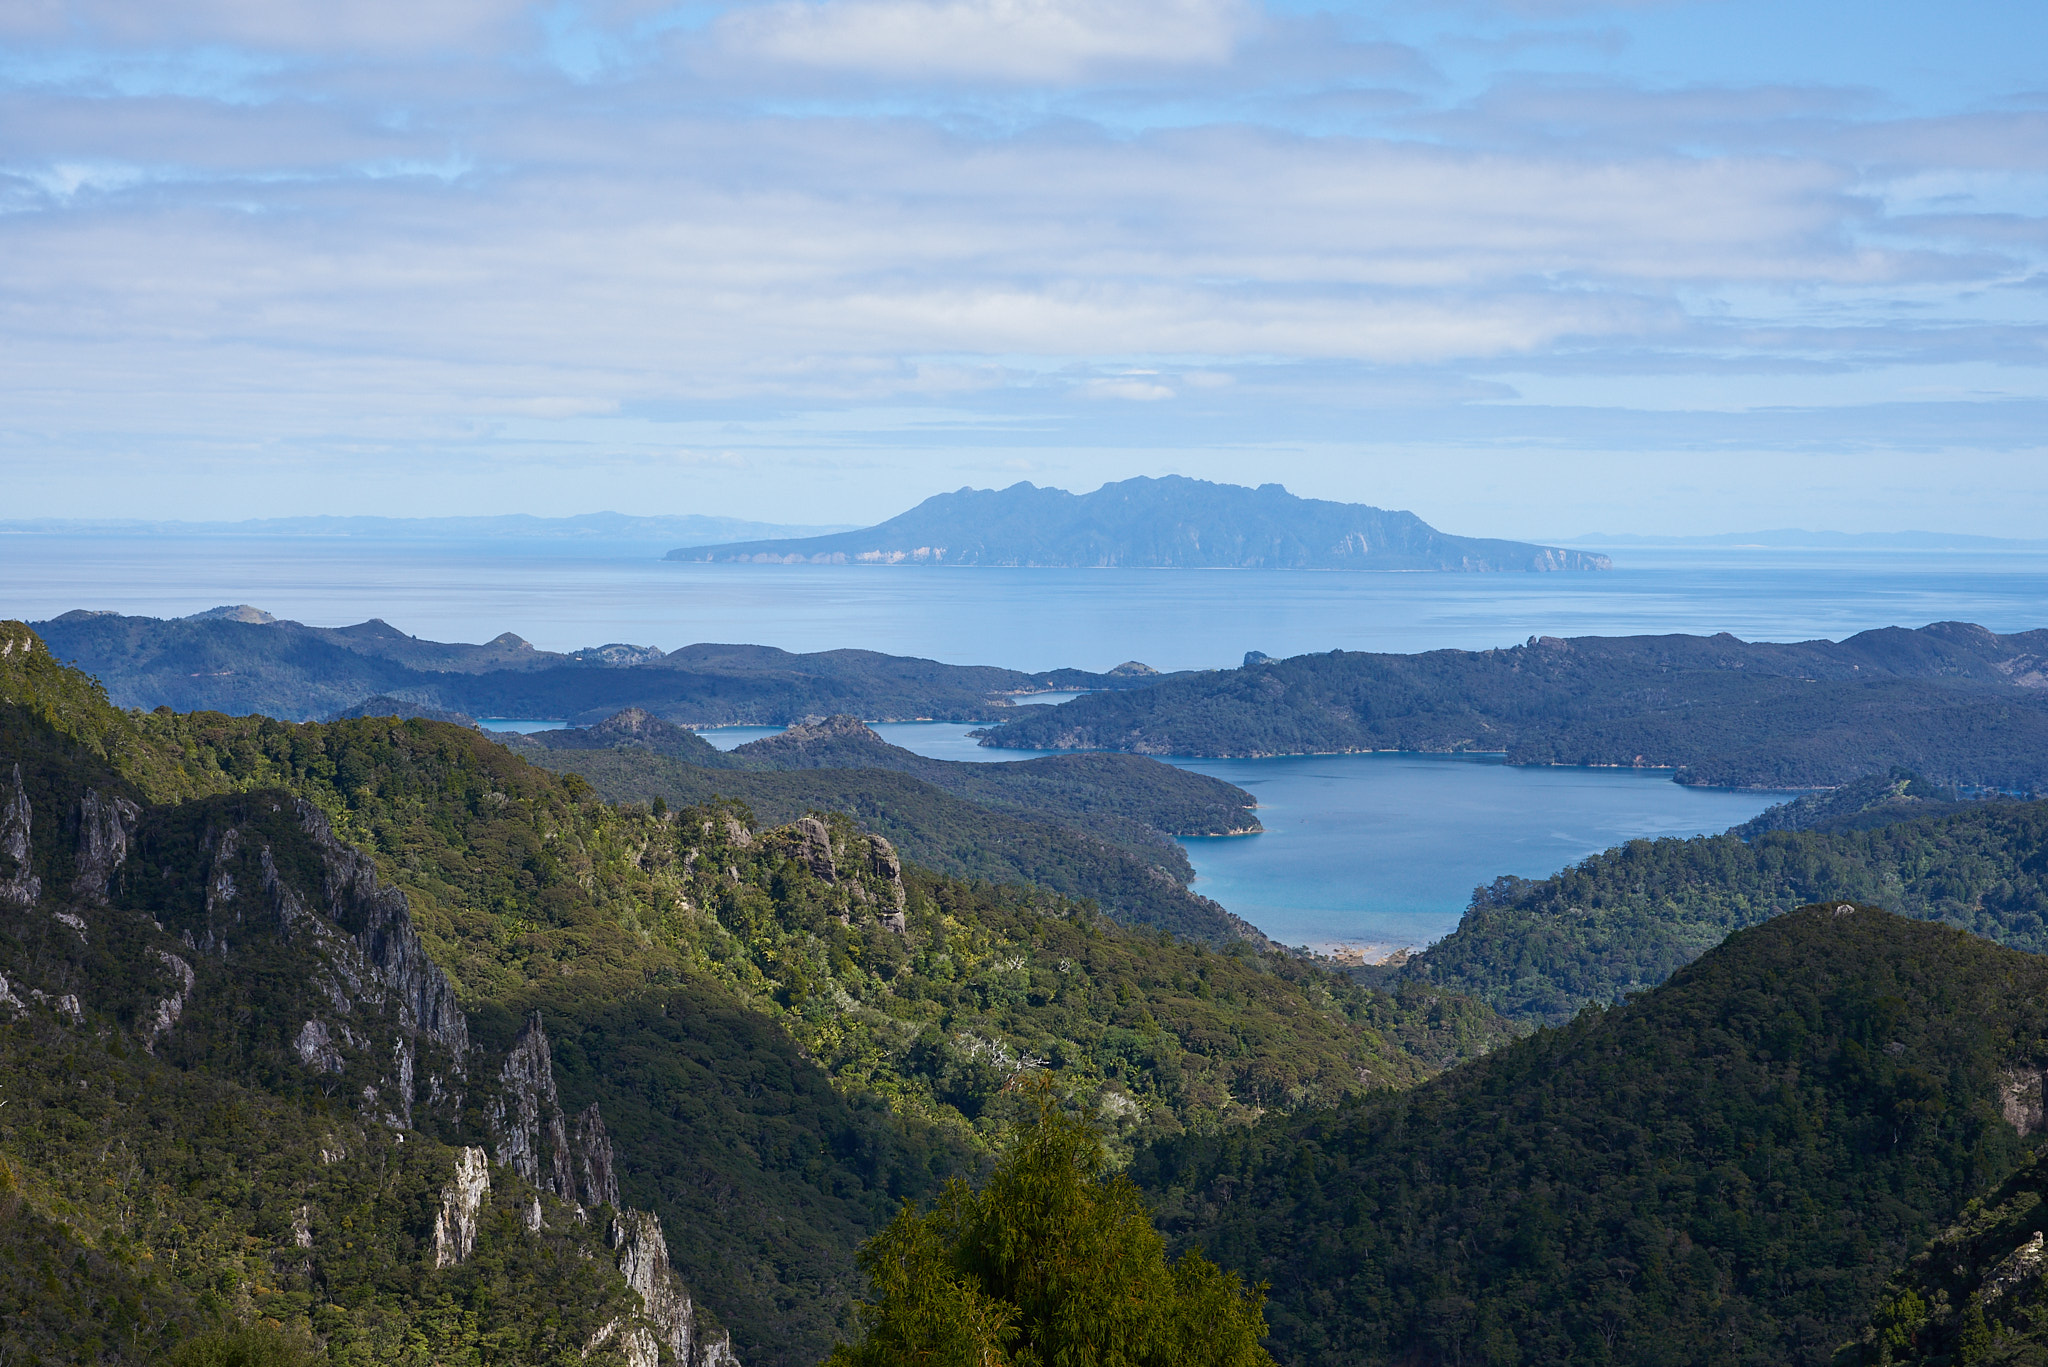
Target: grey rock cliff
x=105, y=826
x=381, y=924
x=18, y=883
x=455, y=1220
x=377, y=1013
x=531, y=1134
x=643, y=1258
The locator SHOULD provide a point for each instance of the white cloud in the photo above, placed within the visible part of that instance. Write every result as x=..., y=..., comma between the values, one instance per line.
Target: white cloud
x=998, y=40
x=1131, y=389
x=404, y=231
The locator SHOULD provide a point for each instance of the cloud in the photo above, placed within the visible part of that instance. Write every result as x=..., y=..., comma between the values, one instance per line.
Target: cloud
x=1020, y=41
x=1129, y=388
x=306, y=26
x=384, y=231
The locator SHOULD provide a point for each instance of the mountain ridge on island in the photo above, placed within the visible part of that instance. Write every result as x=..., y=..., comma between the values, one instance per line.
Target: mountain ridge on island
x=1168, y=523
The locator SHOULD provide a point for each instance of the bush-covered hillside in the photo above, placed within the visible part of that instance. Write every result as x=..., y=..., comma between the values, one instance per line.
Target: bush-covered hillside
x=1137, y=803
x=787, y=1031
x=141, y=1204
x=1539, y=949
x=1951, y=701
x=935, y=828
x=1975, y=1296
x=1722, y=1171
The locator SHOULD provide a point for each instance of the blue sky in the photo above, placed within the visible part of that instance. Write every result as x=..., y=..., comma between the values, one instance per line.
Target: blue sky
x=1531, y=268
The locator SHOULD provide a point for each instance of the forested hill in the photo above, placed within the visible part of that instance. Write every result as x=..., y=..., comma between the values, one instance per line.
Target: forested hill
x=1090, y=826
x=1173, y=522
x=1540, y=949
x=242, y=660
x=1128, y=799
x=1136, y=888
x=269, y=1043
x=1956, y=703
x=1723, y=1171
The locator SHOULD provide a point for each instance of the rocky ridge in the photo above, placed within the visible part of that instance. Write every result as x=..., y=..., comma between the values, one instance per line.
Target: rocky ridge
x=229, y=912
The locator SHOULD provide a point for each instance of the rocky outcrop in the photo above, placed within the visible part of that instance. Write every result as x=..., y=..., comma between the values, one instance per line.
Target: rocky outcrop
x=105, y=826
x=316, y=1048
x=531, y=1134
x=528, y=1113
x=18, y=882
x=2020, y=1100
x=886, y=866
x=165, y=1015
x=814, y=847
x=2022, y=1265
x=381, y=923
x=455, y=1220
x=618, y=655
x=600, y=1183
x=665, y=1304
x=636, y=1343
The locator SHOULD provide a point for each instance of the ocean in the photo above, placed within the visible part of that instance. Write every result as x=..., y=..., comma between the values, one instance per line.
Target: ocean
x=1370, y=851
x=1026, y=619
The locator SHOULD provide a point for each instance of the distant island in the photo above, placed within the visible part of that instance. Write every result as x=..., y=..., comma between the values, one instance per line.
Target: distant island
x=1169, y=523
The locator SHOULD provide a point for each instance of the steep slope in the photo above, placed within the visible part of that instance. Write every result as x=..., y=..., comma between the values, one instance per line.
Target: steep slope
x=1952, y=701
x=1539, y=949
x=1975, y=1295
x=236, y=1087
x=771, y=1037
x=1152, y=523
x=1721, y=1171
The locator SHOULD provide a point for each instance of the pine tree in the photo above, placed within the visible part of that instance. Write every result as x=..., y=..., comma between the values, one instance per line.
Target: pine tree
x=1973, y=1345
x=1054, y=1263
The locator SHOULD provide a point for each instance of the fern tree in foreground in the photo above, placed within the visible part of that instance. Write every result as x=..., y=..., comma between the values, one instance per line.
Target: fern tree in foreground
x=1053, y=1263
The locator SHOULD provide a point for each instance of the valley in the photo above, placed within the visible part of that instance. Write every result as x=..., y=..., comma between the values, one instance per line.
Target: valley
x=651, y=983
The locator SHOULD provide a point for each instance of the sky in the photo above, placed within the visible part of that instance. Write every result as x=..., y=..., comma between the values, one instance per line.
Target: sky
x=1526, y=267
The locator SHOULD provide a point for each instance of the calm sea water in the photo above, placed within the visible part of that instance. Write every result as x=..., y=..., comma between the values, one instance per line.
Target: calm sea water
x=1360, y=850
x=1027, y=619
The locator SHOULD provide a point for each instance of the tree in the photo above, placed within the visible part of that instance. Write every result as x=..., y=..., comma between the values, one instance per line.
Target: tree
x=1973, y=1345
x=1054, y=1263
x=255, y=1345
